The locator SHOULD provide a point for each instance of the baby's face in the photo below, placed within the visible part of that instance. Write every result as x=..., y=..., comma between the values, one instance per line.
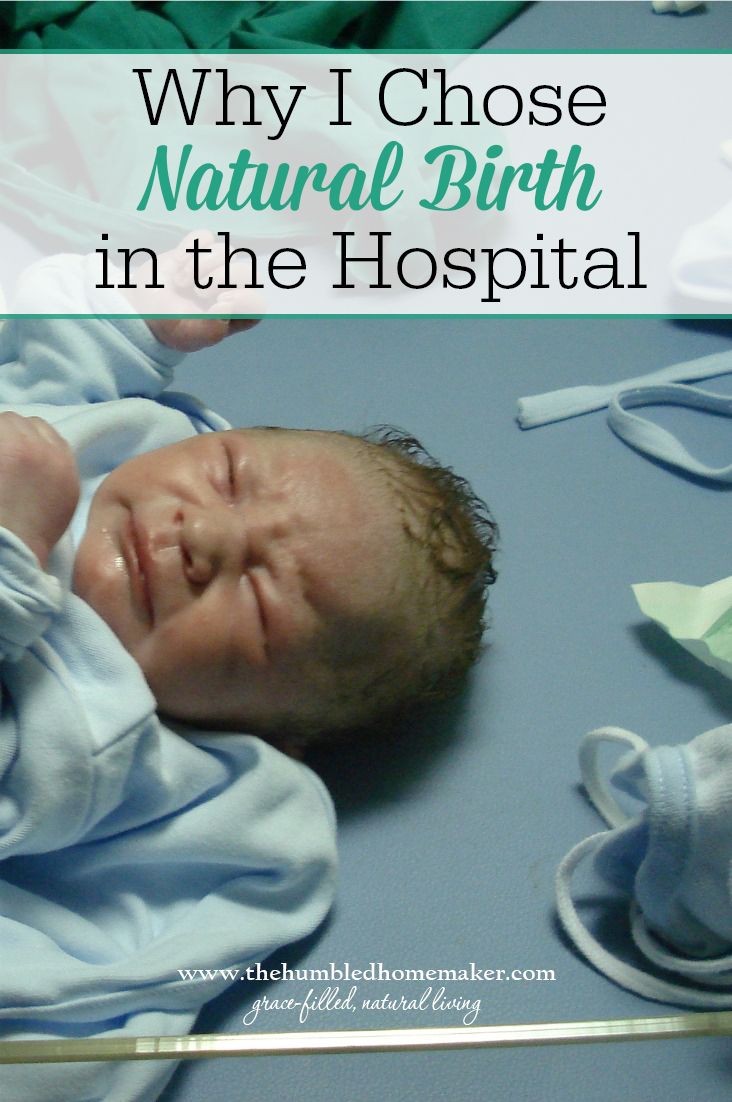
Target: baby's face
x=223, y=563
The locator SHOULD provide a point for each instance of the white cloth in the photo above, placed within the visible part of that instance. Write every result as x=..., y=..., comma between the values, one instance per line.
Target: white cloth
x=671, y=861
x=702, y=264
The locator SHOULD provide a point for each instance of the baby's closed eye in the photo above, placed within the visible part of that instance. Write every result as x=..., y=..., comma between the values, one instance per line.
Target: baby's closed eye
x=226, y=474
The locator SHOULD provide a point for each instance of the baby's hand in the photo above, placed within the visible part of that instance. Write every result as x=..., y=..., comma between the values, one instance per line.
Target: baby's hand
x=180, y=295
x=39, y=482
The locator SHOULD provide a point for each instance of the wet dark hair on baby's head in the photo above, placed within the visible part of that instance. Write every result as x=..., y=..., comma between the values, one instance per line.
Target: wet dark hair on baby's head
x=437, y=627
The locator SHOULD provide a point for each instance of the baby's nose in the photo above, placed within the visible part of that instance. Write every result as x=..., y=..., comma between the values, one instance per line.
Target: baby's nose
x=210, y=540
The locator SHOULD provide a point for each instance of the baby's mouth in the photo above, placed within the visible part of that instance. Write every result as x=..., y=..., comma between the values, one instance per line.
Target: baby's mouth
x=137, y=559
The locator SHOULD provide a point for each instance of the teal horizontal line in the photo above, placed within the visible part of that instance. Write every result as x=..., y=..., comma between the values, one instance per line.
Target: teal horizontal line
x=413, y=317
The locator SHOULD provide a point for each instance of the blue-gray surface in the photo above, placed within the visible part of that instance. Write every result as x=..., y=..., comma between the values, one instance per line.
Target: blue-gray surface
x=450, y=839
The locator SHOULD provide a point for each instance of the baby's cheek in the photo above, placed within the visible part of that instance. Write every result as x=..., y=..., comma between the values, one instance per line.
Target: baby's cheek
x=176, y=659
x=101, y=582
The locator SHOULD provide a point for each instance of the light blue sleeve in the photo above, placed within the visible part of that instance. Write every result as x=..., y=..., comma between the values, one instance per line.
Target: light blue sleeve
x=64, y=360
x=29, y=597
x=44, y=786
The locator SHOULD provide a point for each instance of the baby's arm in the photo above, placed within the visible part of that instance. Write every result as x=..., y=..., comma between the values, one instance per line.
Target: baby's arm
x=64, y=361
x=67, y=360
x=180, y=295
x=39, y=487
x=39, y=482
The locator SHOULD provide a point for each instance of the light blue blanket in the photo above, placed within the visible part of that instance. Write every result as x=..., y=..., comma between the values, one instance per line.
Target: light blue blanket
x=130, y=853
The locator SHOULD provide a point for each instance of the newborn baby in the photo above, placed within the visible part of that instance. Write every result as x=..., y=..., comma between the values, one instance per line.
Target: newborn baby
x=289, y=583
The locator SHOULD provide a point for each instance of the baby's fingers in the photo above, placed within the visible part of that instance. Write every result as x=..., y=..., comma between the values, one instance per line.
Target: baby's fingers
x=235, y=298
x=239, y=325
x=47, y=431
x=33, y=430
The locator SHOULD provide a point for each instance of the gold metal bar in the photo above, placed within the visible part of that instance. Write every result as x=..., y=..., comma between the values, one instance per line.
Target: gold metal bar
x=197, y=1046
